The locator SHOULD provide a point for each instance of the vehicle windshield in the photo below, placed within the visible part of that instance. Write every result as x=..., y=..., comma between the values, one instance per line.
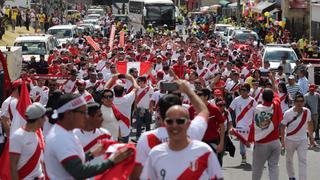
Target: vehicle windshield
x=221, y=28
x=60, y=33
x=277, y=55
x=156, y=12
x=34, y=48
x=246, y=36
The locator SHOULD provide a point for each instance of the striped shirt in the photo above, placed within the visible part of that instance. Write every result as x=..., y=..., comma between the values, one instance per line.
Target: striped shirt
x=293, y=89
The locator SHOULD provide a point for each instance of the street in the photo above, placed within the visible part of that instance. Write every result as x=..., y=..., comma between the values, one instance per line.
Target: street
x=233, y=170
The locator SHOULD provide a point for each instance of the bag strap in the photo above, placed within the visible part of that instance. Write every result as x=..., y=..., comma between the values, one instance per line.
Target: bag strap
x=295, y=118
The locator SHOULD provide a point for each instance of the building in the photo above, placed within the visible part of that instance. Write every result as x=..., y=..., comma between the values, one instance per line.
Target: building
x=315, y=20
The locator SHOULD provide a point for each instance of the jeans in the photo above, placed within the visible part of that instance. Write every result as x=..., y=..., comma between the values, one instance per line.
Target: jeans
x=242, y=149
x=143, y=117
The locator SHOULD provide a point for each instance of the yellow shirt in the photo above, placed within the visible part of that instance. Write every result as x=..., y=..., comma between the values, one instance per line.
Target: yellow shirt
x=7, y=11
x=42, y=18
x=14, y=15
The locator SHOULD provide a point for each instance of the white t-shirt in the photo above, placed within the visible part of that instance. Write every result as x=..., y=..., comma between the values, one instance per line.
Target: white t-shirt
x=156, y=96
x=110, y=122
x=257, y=94
x=237, y=105
x=17, y=120
x=25, y=144
x=69, y=87
x=40, y=94
x=288, y=116
x=145, y=101
x=164, y=163
x=124, y=105
x=5, y=112
x=157, y=136
x=232, y=86
x=203, y=73
x=284, y=105
x=61, y=145
x=89, y=140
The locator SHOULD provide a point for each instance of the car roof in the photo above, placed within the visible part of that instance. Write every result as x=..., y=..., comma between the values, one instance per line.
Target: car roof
x=281, y=48
x=63, y=27
x=33, y=37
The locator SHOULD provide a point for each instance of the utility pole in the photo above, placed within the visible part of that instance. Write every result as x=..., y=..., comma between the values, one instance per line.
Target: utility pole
x=238, y=12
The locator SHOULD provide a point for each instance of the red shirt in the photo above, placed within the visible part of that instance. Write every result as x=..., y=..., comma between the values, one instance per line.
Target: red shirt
x=215, y=118
x=54, y=69
x=276, y=119
x=51, y=58
x=179, y=70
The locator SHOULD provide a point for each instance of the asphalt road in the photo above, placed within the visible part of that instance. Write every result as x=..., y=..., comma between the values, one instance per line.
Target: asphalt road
x=233, y=170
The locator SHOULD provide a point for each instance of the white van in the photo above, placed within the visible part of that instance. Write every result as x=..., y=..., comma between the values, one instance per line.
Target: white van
x=36, y=45
x=63, y=33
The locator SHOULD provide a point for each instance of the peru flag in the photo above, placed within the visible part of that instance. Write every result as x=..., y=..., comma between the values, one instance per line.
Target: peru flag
x=92, y=43
x=142, y=67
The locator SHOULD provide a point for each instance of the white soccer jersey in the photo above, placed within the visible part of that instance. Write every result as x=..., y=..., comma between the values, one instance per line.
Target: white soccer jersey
x=146, y=98
x=90, y=139
x=25, y=143
x=124, y=105
x=110, y=122
x=196, y=161
x=203, y=73
x=40, y=94
x=61, y=145
x=300, y=134
x=257, y=94
x=156, y=96
x=239, y=106
x=157, y=136
x=69, y=86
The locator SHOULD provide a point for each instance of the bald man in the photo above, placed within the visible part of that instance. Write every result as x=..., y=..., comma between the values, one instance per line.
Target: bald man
x=174, y=159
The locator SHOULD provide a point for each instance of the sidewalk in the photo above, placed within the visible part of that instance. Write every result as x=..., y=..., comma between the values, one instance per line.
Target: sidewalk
x=9, y=37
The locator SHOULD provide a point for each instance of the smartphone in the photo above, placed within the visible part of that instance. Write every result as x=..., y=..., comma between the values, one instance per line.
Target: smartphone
x=121, y=76
x=169, y=86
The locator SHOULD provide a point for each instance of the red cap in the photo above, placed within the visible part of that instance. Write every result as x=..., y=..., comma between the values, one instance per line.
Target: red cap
x=312, y=87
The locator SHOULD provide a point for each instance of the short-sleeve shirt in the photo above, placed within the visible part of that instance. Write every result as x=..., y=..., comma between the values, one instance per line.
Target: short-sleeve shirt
x=61, y=145
x=288, y=116
x=25, y=143
x=157, y=136
x=238, y=104
x=196, y=161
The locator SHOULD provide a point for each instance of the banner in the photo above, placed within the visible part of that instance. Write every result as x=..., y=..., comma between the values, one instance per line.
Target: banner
x=95, y=46
x=121, y=40
x=112, y=34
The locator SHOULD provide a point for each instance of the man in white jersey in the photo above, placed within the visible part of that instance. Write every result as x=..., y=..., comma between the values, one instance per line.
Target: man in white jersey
x=69, y=86
x=26, y=146
x=64, y=156
x=91, y=134
x=152, y=138
x=296, y=121
x=181, y=157
x=243, y=106
x=40, y=93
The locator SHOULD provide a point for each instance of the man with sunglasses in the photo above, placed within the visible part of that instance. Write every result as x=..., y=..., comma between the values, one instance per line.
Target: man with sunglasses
x=180, y=157
x=157, y=136
x=296, y=121
x=212, y=137
x=243, y=106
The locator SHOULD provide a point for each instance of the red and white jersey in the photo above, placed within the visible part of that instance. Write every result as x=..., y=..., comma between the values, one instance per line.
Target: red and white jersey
x=90, y=139
x=157, y=136
x=69, y=86
x=100, y=65
x=124, y=105
x=110, y=122
x=26, y=144
x=232, y=86
x=7, y=105
x=244, y=109
x=257, y=94
x=144, y=97
x=158, y=67
x=296, y=131
x=203, y=73
x=88, y=97
x=40, y=94
x=284, y=105
x=61, y=145
x=156, y=96
x=212, y=67
x=196, y=161
x=245, y=72
x=226, y=73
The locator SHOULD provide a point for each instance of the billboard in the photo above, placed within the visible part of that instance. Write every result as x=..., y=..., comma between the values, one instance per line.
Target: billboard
x=298, y=4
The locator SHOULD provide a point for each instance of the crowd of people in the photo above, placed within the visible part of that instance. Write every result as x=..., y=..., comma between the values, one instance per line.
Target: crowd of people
x=182, y=112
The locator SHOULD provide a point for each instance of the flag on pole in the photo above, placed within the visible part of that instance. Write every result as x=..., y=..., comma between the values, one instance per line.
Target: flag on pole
x=112, y=34
x=95, y=46
x=142, y=67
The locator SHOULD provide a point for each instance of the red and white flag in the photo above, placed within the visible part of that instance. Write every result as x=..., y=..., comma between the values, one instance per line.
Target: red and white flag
x=95, y=46
x=142, y=67
x=112, y=34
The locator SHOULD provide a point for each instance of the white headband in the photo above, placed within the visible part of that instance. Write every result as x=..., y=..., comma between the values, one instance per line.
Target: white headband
x=71, y=105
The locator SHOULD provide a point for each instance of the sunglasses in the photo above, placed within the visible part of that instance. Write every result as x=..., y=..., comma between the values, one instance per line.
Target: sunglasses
x=299, y=101
x=179, y=121
x=108, y=96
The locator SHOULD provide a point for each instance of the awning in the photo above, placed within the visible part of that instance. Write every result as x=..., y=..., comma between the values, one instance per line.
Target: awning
x=262, y=6
x=224, y=3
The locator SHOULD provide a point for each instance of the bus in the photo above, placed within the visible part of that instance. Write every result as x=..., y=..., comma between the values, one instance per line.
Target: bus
x=155, y=12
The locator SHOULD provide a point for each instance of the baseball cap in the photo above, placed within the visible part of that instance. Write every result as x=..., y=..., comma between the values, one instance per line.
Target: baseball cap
x=291, y=77
x=35, y=111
